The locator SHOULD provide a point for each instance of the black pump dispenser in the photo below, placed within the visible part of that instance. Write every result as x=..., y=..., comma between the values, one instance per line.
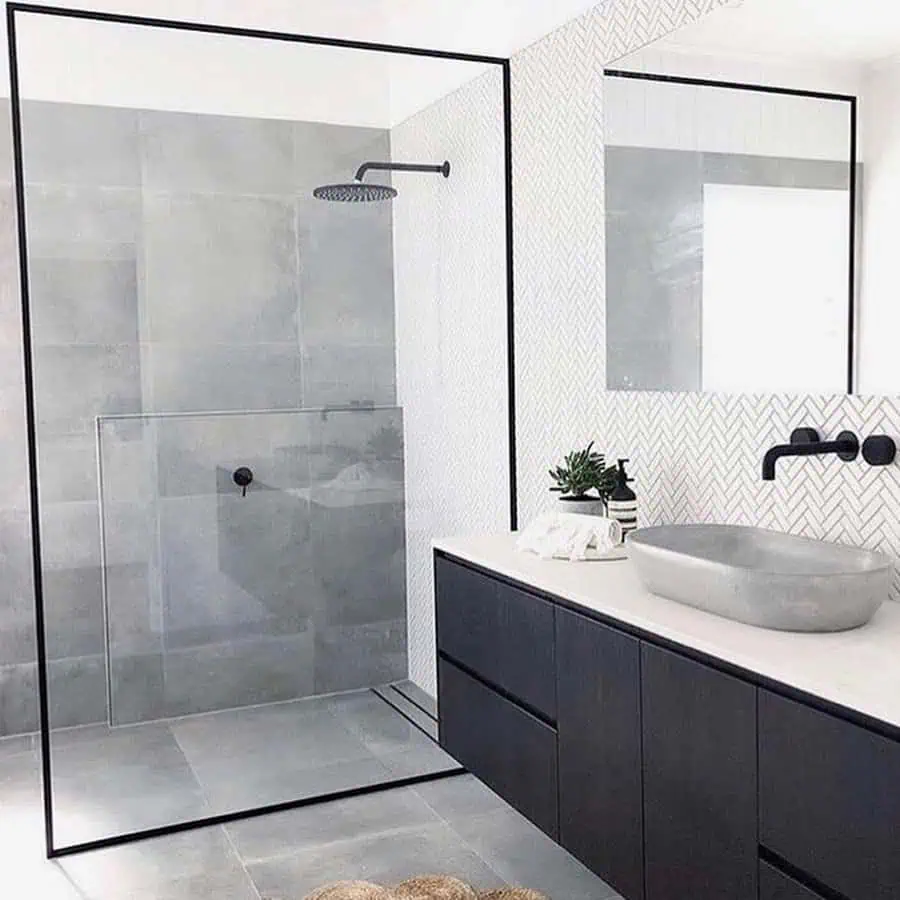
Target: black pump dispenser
x=623, y=501
x=622, y=491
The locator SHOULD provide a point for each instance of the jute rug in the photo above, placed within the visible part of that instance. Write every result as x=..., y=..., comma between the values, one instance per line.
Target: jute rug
x=426, y=887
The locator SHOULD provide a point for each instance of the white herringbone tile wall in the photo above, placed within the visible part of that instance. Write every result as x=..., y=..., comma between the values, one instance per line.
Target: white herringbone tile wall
x=695, y=457
x=450, y=295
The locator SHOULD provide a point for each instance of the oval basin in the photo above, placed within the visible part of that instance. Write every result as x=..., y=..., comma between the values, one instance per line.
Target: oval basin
x=760, y=577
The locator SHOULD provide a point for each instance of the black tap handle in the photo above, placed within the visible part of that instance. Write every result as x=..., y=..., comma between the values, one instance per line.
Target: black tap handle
x=242, y=477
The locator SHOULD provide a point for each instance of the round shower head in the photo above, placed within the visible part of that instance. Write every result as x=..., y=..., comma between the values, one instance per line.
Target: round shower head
x=356, y=192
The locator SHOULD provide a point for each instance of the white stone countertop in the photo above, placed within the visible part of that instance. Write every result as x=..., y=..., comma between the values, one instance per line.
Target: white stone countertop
x=858, y=670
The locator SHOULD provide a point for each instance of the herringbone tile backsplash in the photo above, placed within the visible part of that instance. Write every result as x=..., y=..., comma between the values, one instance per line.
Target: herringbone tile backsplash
x=698, y=457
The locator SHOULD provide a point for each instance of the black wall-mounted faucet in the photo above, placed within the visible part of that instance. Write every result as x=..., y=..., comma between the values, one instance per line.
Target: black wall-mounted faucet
x=878, y=450
x=806, y=442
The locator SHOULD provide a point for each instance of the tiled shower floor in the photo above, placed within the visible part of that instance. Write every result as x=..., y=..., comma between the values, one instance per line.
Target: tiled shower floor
x=138, y=776
x=108, y=781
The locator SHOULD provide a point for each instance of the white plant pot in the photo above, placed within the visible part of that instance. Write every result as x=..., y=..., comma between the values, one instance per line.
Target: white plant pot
x=592, y=506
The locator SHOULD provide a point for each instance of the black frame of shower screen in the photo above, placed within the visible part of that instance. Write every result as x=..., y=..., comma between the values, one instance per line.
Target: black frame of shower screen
x=12, y=10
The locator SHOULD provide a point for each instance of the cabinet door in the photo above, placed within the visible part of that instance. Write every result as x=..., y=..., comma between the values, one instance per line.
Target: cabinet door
x=599, y=724
x=700, y=809
x=506, y=747
x=502, y=634
x=829, y=794
x=775, y=885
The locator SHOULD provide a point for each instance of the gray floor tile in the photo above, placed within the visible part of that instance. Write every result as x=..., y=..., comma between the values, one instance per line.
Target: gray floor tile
x=423, y=759
x=279, y=835
x=460, y=798
x=385, y=858
x=303, y=739
x=250, y=789
x=272, y=754
x=380, y=727
x=525, y=857
x=112, y=781
x=169, y=867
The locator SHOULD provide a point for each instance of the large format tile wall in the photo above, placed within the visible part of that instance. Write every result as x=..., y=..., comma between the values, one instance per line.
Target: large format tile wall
x=180, y=265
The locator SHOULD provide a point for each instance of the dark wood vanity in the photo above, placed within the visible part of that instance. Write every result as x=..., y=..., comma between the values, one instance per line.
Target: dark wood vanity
x=671, y=775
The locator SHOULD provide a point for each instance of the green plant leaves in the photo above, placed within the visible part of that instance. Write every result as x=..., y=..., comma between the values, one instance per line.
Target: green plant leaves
x=583, y=471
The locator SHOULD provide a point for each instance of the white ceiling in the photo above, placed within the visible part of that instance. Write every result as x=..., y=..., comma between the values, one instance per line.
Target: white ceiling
x=858, y=32
x=492, y=27
x=81, y=61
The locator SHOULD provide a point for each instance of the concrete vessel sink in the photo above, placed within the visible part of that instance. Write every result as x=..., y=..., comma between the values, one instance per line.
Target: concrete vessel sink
x=765, y=578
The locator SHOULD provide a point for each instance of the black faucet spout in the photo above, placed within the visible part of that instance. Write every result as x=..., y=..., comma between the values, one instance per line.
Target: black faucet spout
x=846, y=447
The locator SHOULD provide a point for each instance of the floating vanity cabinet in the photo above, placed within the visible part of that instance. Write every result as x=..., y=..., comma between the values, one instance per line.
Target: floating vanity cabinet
x=508, y=748
x=599, y=724
x=829, y=794
x=699, y=758
x=669, y=774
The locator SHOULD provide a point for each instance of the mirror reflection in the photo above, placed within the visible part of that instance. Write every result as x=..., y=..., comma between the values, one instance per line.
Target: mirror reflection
x=745, y=251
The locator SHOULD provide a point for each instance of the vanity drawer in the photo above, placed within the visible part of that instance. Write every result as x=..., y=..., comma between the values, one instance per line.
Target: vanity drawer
x=775, y=885
x=507, y=748
x=829, y=794
x=504, y=635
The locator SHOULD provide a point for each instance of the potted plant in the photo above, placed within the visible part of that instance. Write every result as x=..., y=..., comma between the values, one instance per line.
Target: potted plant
x=584, y=482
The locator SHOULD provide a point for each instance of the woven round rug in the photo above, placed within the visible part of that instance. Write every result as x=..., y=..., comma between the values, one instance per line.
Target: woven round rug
x=433, y=887
x=351, y=890
x=511, y=894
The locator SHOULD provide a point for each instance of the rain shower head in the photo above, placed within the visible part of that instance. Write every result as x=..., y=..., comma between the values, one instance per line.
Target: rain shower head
x=358, y=191
x=355, y=192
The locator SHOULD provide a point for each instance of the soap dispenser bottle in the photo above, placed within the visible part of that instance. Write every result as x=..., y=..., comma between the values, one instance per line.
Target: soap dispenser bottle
x=623, y=501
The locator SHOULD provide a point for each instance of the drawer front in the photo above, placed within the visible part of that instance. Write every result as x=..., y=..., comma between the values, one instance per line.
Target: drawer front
x=507, y=748
x=504, y=635
x=830, y=798
x=470, y=618
x=775, y=885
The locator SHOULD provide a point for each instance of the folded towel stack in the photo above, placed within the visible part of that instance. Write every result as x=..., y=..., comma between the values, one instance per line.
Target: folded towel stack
x=570, y=536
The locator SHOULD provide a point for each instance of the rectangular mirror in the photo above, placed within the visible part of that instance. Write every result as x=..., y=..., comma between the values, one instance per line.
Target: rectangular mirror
x=750, y=169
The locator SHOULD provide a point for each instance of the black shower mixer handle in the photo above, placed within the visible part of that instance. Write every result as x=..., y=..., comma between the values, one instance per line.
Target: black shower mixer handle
x=243, y=478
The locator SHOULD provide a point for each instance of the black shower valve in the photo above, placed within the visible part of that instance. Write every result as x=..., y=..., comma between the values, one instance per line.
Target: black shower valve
x=243, y=478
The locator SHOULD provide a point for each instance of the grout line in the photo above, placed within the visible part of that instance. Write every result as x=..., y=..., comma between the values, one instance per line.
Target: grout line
x=223, y=828
x=241, y=860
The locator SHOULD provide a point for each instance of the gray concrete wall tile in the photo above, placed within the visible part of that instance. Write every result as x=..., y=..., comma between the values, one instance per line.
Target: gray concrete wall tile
x=67, y=143
x=186, y=152
x=220, y=270
x=83, y=301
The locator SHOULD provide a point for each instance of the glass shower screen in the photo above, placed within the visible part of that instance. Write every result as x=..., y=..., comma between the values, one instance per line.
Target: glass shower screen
x=220, y=450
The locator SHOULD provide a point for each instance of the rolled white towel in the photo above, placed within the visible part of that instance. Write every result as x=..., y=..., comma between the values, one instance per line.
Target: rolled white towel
x=569, y=536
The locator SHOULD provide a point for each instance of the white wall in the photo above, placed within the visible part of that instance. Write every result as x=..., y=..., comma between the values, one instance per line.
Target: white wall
x=879, y=308
x=80, y=61
x=450, y=297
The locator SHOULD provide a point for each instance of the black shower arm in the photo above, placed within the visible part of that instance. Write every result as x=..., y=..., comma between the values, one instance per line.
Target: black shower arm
x=444, y=168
